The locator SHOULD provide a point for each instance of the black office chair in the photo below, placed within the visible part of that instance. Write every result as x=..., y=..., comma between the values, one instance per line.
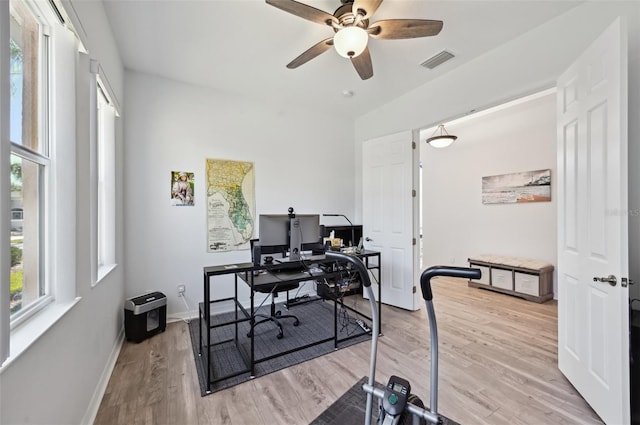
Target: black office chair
x=272, y=289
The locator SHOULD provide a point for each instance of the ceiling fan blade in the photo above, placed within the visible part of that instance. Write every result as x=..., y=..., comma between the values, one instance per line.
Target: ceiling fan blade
x=362, y=64
x=304, y=11
x=393, y=29
x=368, y=7
x=311, y=53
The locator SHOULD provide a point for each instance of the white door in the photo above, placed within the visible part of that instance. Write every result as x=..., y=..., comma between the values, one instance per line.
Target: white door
x=593, y=321
x=388, y=214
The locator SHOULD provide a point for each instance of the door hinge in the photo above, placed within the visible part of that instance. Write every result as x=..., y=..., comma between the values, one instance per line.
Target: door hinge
x=413, y=145
x=414, y=193
x=94, y=67
x=414, y=289
x=414, y=241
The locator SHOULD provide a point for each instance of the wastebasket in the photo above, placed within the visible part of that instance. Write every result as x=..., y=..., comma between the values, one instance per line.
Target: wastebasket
x=145, y=316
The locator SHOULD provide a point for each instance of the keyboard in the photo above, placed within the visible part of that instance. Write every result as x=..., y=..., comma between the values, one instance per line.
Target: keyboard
x=286, y=266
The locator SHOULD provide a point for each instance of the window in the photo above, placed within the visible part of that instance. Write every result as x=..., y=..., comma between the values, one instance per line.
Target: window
x=29, y=137
x=38, y=74
x=106, y=182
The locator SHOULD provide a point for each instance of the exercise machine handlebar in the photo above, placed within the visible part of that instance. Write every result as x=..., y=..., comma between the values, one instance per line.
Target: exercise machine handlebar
x=425, y=278
x=354, y=261
x=375, y=322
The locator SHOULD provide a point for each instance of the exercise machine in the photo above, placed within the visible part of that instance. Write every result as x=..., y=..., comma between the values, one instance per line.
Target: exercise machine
x=396, y=403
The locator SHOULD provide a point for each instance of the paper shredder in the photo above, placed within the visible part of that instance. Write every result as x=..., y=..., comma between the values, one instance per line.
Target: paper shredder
x=145, y=316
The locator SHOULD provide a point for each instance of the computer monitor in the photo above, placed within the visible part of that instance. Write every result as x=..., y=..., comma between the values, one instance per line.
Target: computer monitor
x=274, y=229
x=281, y=230
x=305, y=229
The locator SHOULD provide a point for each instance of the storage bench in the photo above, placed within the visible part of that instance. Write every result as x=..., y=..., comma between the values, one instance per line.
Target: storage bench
x=525, y=278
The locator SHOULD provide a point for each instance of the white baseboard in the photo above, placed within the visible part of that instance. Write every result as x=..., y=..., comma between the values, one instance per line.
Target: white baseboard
x=101, y=388
x=184, y=316
x=226, y=307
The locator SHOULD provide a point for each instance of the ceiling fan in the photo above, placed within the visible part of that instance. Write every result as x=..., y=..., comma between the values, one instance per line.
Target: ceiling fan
x=350, y=22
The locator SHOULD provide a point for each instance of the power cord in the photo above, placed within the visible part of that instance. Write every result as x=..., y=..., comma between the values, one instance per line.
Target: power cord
x=184, y=299
x=188, y=307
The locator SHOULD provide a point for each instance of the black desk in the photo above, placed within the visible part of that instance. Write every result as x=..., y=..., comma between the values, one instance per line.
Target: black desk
x=244, y=273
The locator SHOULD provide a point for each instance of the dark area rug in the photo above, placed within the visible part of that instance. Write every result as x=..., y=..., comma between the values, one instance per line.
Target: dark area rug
x=316, y=323
x=349, y=409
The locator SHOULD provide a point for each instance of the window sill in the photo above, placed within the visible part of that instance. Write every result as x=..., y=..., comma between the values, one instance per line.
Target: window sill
x=103, y=272
x=23, y=336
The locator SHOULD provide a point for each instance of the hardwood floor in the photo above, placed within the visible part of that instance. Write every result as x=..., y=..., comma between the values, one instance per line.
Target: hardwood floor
x=497, y=365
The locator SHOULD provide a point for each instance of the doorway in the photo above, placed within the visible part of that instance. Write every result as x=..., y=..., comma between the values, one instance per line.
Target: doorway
x=514, y=137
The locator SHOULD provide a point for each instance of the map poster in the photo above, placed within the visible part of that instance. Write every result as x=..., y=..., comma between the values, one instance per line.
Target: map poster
x=231, y=204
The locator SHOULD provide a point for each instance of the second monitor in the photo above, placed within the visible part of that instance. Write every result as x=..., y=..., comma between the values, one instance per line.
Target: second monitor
x=282, y=230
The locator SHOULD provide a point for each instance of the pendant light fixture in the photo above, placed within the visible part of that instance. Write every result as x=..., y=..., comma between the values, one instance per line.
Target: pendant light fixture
x=349, y=42
x=440, y=138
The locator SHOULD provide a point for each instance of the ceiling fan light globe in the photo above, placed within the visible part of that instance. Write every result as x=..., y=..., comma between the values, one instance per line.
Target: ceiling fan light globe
x=441, y=141
x=349, y=42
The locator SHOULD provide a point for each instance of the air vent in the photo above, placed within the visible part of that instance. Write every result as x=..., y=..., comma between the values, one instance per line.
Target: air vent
x=437, y=59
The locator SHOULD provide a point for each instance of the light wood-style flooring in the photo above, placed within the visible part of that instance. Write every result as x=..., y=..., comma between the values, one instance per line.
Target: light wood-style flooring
x=497, y=365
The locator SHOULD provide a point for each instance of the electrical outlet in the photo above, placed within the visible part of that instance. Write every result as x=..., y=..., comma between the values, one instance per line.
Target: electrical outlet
x=181, y=290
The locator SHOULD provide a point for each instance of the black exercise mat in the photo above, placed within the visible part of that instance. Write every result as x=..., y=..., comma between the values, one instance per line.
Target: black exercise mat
x=316, y=323
x=349, y=409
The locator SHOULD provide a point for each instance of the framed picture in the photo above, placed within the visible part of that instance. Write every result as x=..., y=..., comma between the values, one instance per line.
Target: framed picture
x=182, y=189
x=527, y=186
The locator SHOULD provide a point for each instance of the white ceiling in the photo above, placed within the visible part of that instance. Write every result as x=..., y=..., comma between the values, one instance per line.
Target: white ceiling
x=242, y=46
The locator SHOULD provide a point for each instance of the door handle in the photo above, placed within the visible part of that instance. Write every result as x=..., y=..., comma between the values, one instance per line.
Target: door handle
x=368, y=239
x=611, y=280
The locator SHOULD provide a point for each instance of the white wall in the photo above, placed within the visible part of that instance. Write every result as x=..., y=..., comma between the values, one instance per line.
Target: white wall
x=58, y=378
x=456, y=224
x=302, y=159
x=527, y=64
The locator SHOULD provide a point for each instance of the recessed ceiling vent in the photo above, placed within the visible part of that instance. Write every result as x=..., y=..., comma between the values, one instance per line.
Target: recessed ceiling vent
x=437, y=59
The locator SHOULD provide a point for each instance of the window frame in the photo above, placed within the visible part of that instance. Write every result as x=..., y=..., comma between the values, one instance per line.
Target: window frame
x=60, y=206
x=40, y=157
x=104, y=186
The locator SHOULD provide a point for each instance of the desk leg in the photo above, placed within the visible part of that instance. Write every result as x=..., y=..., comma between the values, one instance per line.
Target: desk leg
x=335, y=323
x=251, y=324
x=200, y=324
x=235, y=305
x=379, y=301
x=207, y=320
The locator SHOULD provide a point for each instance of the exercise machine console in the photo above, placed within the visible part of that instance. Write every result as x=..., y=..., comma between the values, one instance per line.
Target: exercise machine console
x=395, y=400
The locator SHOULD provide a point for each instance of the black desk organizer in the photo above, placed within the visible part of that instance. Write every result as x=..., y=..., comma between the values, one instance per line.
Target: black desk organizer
x=344, y=233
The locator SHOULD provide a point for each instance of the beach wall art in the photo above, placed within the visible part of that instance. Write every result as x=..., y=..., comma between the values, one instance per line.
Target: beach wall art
x=527, y=186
